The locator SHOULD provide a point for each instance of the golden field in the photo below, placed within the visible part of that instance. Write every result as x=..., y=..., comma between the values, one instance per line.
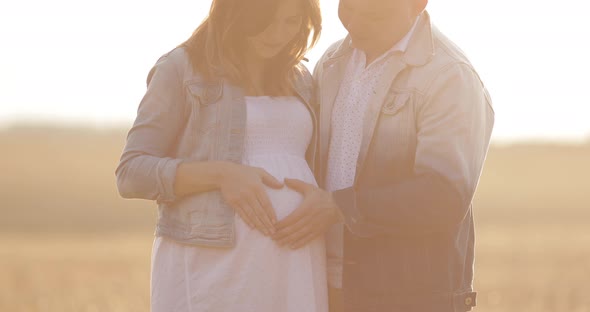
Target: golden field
x=69, y=243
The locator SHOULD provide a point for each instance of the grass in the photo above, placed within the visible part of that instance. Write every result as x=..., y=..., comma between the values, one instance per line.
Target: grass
x=69, y=243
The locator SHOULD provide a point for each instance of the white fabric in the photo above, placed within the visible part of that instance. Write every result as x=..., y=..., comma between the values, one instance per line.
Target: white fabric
x=358, y=85
x=256, y=275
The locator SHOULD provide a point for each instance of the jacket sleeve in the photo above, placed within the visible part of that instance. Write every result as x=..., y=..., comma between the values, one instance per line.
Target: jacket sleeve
x=454, y=125
x=145, y=170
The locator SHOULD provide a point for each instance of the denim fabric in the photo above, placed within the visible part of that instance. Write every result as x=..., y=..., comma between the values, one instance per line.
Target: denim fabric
x=409, y=237
x=183, y=117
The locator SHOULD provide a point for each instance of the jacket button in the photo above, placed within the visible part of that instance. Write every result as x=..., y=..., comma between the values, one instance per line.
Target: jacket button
x=468, y=301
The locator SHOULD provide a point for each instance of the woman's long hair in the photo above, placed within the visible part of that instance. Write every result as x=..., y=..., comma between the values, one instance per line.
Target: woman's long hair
x=217, y=46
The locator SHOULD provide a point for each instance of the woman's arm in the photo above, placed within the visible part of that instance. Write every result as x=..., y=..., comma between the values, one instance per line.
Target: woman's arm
x=242, y=187
x=145, y=169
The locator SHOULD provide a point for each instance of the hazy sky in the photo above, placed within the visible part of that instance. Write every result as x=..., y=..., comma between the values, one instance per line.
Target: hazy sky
x=85, y=62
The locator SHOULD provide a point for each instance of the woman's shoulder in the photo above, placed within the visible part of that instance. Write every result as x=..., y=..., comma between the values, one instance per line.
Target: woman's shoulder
x=303, y=75
x=176, y=57
x=177, y=60
x=303, y=81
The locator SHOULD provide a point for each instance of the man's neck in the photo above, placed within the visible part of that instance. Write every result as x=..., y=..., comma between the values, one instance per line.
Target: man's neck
x=383, y=47
x=373, y=54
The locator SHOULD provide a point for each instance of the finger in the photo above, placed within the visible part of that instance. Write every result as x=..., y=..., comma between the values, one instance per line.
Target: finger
x=261, y=216
x=262, y=197
x=299, y=185
x=319, y=224
x=258, y=225
x=294, y=217
x=305, y=240
x=249, y=215
x=296, y=236
x=242, y=213
x=294, y=231
x=258, y=215
x=270, y=181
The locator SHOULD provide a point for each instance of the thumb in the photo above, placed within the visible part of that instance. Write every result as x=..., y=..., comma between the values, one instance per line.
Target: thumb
x=271, y=181
x=298, y=185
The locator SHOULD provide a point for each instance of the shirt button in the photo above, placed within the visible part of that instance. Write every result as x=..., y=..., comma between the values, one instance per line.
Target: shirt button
x=468, y=301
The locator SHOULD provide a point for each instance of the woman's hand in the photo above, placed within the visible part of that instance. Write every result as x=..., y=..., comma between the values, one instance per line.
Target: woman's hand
x=243, y=187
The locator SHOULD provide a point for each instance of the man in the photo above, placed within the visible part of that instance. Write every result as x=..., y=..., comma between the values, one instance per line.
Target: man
x=405, y=124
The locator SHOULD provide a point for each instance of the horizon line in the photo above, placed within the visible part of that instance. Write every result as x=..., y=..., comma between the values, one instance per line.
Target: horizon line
x=124, y=125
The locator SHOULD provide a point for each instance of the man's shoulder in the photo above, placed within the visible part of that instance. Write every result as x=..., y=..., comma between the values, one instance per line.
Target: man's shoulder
x=446, y=58
x=448, y=66
x=446, y=52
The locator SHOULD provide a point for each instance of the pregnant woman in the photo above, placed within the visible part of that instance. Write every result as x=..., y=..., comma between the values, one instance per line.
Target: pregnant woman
x=226, y=118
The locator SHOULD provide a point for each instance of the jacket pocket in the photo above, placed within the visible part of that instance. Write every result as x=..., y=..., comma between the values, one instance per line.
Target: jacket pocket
x=204, y=97
x=395, y=134
x=395, y=102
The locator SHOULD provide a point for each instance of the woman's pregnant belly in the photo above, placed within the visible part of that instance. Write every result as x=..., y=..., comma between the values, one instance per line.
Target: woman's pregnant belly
x=284, y=200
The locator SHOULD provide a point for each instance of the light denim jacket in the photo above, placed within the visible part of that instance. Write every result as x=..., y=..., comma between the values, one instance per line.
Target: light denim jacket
x=183, y=117
x=409, y=240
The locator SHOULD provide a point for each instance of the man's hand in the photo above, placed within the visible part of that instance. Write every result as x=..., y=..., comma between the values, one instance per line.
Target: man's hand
x=312, y=218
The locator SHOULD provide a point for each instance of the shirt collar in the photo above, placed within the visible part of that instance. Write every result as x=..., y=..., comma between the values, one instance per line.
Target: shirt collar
x=400, y=46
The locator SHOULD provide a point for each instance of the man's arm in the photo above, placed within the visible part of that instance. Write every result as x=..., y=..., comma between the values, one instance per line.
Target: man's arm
x=454, y=129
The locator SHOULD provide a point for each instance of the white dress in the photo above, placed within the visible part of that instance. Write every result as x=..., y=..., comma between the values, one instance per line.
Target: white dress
x=256, y=275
